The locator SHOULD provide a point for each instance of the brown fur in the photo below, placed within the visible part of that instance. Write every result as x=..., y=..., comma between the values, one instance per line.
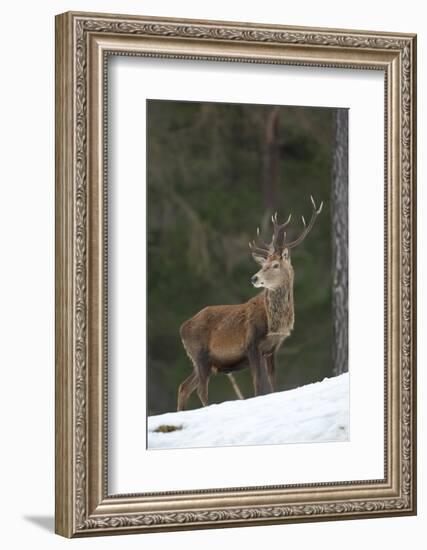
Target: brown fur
x=231, y=337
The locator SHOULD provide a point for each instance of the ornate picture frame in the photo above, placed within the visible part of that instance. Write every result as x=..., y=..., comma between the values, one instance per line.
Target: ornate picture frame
x=84, y=506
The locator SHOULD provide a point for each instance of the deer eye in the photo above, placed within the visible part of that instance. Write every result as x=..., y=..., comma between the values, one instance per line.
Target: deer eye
x=275, y=266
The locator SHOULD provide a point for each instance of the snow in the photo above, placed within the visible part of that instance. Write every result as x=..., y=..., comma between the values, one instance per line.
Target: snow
x=314, y=413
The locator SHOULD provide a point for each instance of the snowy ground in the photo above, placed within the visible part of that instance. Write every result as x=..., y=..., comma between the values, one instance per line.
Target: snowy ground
x=314, y=413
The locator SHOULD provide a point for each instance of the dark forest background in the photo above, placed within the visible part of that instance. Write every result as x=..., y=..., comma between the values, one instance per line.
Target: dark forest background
x=215, y=173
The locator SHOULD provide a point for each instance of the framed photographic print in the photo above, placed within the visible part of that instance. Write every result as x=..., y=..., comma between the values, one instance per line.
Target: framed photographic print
x=235, y=274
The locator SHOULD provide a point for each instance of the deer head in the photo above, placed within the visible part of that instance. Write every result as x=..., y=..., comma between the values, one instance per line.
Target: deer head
x=275, y=258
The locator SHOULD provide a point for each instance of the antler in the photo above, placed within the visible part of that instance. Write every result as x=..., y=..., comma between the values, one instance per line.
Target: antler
x=264, y=251
x=278, y=232
x=307, y=228
x=278, y=242
x=262, y=248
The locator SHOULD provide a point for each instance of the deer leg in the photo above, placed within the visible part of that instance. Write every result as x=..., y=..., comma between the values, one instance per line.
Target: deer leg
x=270, y=365
x=235, y=385
x=254, y=357
x=204, y=373
x=185, y=390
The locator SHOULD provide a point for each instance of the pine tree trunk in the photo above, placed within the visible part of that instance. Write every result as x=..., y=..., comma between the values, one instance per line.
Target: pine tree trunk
x=339, y=209
x=270, y=160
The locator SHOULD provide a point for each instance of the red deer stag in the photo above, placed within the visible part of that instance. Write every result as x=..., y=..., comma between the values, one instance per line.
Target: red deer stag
x=224, y=339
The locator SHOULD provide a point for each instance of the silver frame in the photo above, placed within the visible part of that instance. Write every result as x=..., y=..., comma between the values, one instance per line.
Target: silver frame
x=83, y=505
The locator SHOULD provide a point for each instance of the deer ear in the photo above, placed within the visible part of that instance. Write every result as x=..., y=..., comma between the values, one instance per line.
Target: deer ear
x=285, y=254
x=258, y=258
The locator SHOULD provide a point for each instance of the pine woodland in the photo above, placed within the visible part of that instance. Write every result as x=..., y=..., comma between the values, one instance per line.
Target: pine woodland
x=216, y=172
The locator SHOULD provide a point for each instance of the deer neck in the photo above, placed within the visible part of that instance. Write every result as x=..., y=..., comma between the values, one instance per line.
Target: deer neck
x=280, y=309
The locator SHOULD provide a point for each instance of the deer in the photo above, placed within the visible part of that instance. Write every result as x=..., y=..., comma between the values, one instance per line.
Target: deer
x=228, y=338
